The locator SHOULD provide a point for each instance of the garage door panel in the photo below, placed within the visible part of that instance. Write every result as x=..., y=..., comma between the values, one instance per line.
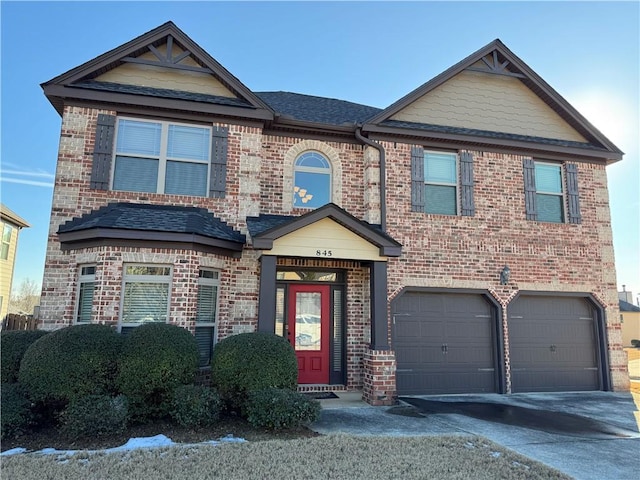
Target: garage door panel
x=432, y=383
x=418, y=356
x=568, y=380
x=468, y=329
x=480, y=356
x=444, y=343
x=553, y=344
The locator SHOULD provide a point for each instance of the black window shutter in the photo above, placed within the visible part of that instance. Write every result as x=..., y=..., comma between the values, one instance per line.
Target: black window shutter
x=417, y=179
x=466, y=182
x=530, y=189
x=218, y=176
x=102, y=152
x=573, y=195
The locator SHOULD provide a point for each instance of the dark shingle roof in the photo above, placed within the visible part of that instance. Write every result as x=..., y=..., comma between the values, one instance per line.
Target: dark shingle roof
x=487, y=134
x=262, y=223
x=163, y=93
x=317, y=109
x=628, y=307
x=158, y=218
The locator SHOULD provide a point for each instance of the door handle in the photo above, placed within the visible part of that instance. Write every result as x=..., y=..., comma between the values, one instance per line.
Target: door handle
x=444, y=348
x=553, y=348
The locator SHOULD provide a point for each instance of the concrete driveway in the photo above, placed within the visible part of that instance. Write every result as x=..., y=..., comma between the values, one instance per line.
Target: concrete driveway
x=588, y=435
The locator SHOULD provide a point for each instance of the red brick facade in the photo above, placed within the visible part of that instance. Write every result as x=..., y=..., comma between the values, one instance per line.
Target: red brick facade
x=439, y=251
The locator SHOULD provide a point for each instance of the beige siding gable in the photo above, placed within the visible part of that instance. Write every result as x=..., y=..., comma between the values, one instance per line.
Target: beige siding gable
x=325, y=239
x=490, y=102
x=159, y=77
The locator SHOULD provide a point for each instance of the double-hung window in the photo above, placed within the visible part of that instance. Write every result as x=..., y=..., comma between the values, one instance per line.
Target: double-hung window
x=7, y=231
x=145, y=296
x=206, y=317
x=311, y=180
x=207, y=314
x=441, y=183
x=546, y=199
x=86, y=288
x=549, y=192
x=161, y=157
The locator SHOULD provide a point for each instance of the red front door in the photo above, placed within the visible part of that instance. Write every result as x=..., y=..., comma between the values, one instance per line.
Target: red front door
x=308, y=331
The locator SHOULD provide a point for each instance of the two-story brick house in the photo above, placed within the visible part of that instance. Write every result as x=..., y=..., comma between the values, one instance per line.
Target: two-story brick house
x=457, y=241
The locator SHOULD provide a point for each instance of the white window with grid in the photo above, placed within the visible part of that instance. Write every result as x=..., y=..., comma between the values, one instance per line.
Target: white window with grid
x=207, y=313
x=86, y=289
x=441, y=183
x=549, y=192
x=145, y=294
x=161, y=157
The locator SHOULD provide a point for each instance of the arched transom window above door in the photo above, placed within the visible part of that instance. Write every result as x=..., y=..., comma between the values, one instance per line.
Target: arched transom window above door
x=311, y=181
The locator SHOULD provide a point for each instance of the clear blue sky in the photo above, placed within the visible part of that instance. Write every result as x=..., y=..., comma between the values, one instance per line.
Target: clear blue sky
x=366, y=52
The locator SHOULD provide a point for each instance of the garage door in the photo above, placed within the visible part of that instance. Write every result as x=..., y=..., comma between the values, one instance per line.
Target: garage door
x=444, y=343
x=553, y=344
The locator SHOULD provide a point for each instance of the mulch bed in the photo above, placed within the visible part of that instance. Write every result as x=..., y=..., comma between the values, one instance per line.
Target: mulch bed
x=49, y=437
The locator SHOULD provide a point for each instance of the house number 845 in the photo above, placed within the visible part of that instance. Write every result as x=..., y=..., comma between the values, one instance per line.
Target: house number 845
x=324, y=253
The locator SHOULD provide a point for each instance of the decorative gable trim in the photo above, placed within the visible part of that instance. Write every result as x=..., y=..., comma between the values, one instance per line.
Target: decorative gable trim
x=496, y=58
x=63, y=86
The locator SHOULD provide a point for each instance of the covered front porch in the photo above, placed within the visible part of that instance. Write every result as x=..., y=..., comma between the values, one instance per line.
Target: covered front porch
x=323, y=286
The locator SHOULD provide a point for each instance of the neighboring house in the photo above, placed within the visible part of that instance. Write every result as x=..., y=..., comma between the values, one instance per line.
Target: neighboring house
x=11, y=224
x=376, y=240
x=630, y=320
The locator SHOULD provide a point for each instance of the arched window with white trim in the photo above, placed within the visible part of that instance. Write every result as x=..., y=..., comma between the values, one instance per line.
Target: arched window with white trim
x=311, y=180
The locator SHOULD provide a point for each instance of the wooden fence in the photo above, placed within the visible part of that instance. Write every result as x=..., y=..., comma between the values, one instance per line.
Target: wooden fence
x=14, y=321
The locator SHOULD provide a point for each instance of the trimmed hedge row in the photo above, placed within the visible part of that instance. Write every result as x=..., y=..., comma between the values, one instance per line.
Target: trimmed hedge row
x=13, y=345
x=71, y=363
x=16, y=410
x=95, y=416
x=252, y=361
x=156, y=358
x=94, y=381
x=278, y=409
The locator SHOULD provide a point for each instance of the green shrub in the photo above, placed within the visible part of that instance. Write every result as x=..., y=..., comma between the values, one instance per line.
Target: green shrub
x=95, y=416
x=252, y=361
x=71, y=363
x=156, y=358
x=277, y=409
x=16, y=410
x=13, y=344
x=195, y=406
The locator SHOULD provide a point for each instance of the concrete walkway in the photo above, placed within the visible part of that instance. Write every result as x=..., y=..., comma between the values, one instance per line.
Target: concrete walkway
x=583, y=455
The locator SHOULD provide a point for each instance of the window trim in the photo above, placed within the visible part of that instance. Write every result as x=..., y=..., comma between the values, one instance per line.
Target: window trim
x=6, y=228
x=457, y=185
x=322, y=171
x=163, y=156
x=562, y=194
x=143, y=279
x=84, y=278
x=213, y=282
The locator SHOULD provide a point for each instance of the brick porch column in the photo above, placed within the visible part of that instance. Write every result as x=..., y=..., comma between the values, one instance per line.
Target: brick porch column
x=379, y=386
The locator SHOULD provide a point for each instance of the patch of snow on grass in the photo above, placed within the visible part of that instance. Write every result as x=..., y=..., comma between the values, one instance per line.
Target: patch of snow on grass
x=13, y=451
x=157, y=441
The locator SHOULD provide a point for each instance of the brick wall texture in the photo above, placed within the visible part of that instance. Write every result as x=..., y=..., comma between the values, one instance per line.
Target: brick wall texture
x=438, y=251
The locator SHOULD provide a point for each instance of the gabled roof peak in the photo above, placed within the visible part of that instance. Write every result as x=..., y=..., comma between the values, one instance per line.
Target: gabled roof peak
x=188, y=56
x=496, y=58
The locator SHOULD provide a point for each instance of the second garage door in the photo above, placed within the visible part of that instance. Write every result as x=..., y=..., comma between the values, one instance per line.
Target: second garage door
x=444, y=343
x=553, y=344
